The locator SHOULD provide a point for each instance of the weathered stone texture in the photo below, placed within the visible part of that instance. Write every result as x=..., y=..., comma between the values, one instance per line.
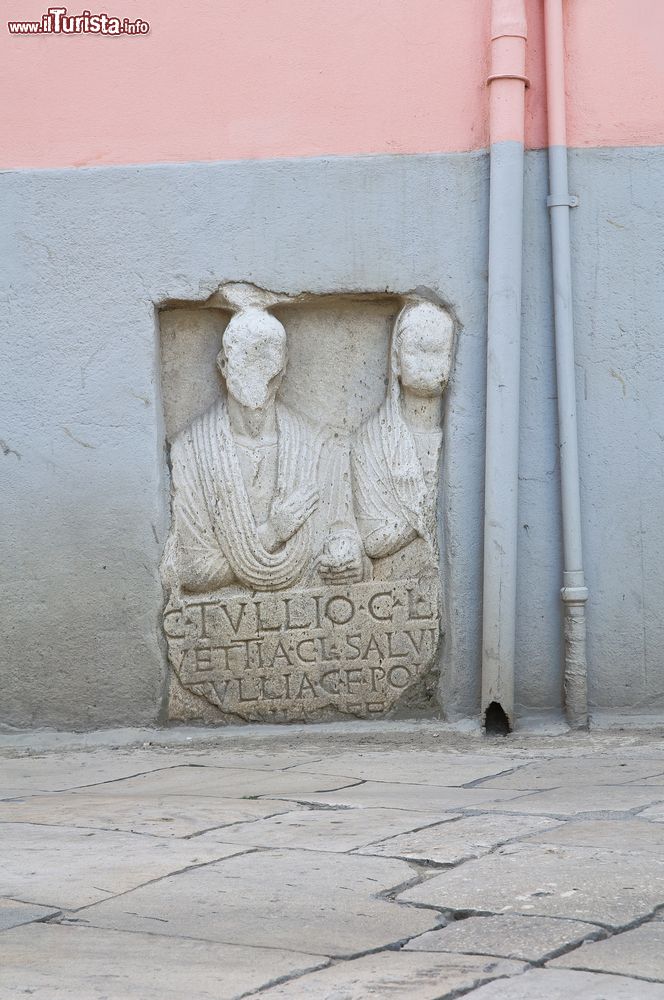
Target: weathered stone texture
x=428, y=767
x=326, y=902
x=68, y=868
x=550, y=984
x=298, y=655
x=632, y=836
x=227, y=782
x=532, y=939
x=13, y=913
x=85, y=963
x=467, y=837
x=397, y=975
x=160, y=815
x=638, y=952
x=302, y=566
x=325, y=829
x=598, y=886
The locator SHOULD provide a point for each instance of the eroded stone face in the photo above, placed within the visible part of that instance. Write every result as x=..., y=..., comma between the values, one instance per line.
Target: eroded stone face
x=297, y=654
x=301, y=568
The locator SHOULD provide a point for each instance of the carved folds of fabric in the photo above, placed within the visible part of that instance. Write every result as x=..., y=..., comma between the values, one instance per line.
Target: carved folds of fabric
x=390, y=489
x=211, y=499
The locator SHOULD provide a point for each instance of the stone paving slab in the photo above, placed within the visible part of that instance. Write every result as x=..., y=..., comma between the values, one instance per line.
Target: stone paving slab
x=603, y=887
x=323, y=904
x=321, y=794
x=159, y=815
x=59, y=772
x=424, y=767
x=532, y=939
x=397, y=975
x=324, y=829
x=655, y=814
x=629, y=835
x=575, y=800
x=594, y=770
x=68, y=868
x=393, y=795
x=556, y=984
x=228, y=782
x=266, y=760
x=467, y=837
x=55, y=962
x=13, y=913
x=639, y=952
x=25, y=775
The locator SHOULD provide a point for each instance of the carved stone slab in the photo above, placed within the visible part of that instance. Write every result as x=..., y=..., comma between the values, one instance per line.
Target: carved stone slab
x=301, y=572
x=297, y=655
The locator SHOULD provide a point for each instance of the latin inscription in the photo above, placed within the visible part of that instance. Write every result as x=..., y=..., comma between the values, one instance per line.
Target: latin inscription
x=355, y=649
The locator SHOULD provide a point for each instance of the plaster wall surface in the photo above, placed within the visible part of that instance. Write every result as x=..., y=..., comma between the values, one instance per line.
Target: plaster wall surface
x=284, y=78
x=83, y=474
x=85, y=506
x=618, y=236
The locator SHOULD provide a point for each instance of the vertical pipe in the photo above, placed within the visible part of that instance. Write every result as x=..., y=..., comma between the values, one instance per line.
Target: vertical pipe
x=574, y=592
x=507, y=84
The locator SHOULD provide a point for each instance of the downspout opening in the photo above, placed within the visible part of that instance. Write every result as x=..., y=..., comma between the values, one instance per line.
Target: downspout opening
x=496, y=722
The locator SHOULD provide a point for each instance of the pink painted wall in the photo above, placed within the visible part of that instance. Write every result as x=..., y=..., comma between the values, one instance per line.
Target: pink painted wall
x=237, y=79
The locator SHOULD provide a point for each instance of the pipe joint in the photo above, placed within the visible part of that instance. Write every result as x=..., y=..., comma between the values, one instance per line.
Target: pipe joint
x=508, y=19
x=574, y=595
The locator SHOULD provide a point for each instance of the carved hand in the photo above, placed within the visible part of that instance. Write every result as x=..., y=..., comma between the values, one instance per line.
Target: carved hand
x=288, y=514
x=341, y=558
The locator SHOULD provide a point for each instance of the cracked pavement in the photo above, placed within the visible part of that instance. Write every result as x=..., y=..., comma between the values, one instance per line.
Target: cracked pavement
x=342, y=862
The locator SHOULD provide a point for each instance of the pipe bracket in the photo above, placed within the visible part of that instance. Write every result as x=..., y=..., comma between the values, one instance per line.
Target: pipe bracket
x=510, y=34
x=508, y=76
x=570, y=201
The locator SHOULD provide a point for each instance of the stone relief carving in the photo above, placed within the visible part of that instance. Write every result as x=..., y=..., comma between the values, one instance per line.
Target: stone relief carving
x=301, y=568
x=396, y=453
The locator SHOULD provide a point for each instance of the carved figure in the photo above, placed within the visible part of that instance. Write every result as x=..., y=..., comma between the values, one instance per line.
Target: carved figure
x=244, y=473
x=301, y=564
x=395, y=454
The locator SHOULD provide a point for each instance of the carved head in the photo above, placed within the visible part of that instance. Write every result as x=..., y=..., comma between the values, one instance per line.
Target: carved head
x=253, y=357
x=423, y=348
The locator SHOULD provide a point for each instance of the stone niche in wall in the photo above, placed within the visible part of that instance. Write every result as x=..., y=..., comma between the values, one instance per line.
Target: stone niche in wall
x=301, y=572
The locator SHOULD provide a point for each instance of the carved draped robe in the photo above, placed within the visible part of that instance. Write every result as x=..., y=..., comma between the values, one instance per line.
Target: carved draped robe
x=395, y=496
x=215, y=540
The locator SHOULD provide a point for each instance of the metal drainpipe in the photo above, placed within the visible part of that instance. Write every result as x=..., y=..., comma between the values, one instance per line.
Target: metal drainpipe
x=574, y=592
x=507, y=84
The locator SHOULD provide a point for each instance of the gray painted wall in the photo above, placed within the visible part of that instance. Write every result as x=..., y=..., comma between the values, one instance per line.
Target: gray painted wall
x=83, y=479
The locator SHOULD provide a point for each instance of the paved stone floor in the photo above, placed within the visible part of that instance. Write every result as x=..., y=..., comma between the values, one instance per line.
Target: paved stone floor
x=344, y=862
